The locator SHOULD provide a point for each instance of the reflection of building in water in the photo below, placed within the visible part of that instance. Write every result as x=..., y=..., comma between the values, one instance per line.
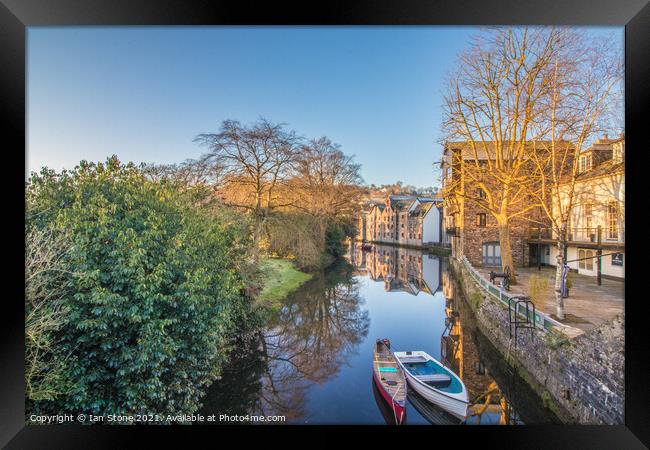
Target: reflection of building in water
x=401, y=269
x=459, y=352
x=358, y=258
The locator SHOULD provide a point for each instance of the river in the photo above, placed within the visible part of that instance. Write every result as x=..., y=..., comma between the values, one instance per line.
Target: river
x=313, y=362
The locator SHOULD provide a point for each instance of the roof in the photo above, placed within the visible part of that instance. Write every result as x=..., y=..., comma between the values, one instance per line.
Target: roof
x=608, y=167
x=423, y=208
x=400, y=202
x=485, y=149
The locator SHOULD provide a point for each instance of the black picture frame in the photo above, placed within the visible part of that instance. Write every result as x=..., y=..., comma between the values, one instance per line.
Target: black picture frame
x=16, y=15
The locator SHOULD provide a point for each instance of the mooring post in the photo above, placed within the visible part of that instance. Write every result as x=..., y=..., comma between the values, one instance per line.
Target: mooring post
x=539, y=248
x=599, y=252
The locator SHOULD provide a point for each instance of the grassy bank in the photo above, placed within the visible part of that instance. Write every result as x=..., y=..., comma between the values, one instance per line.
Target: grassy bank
x=280, y=279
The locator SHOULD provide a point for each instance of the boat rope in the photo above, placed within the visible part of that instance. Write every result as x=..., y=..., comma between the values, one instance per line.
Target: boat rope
x=398, y=422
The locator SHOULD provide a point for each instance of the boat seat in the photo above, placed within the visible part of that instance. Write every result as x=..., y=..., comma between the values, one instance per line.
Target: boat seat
x=413, y=359
x=435, y=378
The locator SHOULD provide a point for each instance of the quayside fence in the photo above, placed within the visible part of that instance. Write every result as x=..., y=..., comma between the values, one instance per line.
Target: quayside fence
x=542, y=320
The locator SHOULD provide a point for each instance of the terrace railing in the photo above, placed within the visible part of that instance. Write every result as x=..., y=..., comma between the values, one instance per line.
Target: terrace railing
x=541, y=320
x=583, y=234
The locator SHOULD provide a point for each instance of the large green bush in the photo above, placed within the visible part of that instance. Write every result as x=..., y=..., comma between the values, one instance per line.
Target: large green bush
x=154, y=292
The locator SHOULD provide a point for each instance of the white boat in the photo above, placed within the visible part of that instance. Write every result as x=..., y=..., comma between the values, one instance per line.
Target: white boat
x=435, y=382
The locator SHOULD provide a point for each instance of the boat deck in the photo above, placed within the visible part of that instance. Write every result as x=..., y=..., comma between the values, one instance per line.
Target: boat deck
x=390, y=374
x=433, y=374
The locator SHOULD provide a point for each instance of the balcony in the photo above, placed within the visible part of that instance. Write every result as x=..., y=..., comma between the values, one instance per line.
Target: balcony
x=451, y=230
x=586, y=237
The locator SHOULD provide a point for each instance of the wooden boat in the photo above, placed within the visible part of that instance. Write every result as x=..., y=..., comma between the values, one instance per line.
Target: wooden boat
x=435, y=382
x=389, y=378
x=385, y=410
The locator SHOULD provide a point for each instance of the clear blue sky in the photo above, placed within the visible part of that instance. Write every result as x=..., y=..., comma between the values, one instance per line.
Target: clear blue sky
x=145, y=93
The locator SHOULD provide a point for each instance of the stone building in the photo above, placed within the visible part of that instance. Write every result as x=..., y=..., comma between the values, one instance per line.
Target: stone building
x=472, y=230
x=402, y=220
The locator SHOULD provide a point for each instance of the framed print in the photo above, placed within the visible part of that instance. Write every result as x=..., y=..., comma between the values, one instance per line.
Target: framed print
x=363, y=217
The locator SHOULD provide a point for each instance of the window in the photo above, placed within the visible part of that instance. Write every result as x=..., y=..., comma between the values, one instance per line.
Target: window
x=581, y=259
x=618, y=152
x=480, y=193
x=612, y=220
x=491, y=254
x=481, y=220
x=588, y=213
x=586, y=259
x=585, y=163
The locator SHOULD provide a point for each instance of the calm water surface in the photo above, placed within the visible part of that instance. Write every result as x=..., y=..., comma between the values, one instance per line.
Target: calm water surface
x=313, y=363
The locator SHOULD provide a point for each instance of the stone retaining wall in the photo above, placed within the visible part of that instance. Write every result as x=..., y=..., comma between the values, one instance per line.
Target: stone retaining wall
x=583, y=377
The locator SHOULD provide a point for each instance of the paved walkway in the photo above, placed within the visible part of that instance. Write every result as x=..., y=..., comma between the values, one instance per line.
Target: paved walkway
x=588, y=304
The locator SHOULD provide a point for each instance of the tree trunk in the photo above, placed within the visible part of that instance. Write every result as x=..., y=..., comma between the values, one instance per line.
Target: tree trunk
x=506, y=249
x=559, y=264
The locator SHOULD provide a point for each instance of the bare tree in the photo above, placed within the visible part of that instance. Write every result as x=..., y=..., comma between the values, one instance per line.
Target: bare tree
x=327, y=180
x=527, y=101
x=253, y=161
x=584, y=100
x=492, y=103
x=190, y=172
x=46, y=372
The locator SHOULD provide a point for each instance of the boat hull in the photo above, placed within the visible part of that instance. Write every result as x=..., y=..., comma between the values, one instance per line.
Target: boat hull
x=456, y=407
x=455, y=403
x=398, y=409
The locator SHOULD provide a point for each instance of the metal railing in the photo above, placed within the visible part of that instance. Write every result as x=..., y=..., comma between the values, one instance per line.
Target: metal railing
x=582, y=234
x=542, y=321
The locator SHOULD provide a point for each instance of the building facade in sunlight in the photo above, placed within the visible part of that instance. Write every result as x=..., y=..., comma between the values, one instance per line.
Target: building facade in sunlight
x=407, y=220
x=598, y=213
x=473, y=231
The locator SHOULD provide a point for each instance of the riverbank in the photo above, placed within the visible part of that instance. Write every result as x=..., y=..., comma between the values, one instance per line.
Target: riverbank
x=280, y=278
x=580, y=379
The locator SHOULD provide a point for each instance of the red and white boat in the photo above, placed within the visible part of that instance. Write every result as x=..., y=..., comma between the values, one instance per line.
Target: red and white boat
x=390, y=379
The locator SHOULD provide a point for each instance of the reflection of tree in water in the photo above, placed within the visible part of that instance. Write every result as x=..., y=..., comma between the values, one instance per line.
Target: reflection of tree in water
x=237, y=390
x=315, y=332
x=317, y=329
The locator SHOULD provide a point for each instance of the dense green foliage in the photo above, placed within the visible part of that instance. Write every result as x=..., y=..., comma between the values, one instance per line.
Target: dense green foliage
x=334, y=238
x=154, y=288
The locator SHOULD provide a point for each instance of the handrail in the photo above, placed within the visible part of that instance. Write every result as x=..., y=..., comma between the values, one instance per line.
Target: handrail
x=579, y=234
x=543, y=321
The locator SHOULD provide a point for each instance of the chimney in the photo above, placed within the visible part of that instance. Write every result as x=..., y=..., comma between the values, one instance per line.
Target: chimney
x=605, y=137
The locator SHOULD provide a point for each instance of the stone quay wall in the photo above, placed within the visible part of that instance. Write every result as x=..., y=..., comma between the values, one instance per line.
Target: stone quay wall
x=582, y=379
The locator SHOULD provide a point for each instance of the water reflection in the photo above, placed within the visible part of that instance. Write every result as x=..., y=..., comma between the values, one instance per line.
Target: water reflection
x=386, y=412
x=459, y=352
x=305, y=344
x=462, y=347
x=401, y=269
x=313, y=363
